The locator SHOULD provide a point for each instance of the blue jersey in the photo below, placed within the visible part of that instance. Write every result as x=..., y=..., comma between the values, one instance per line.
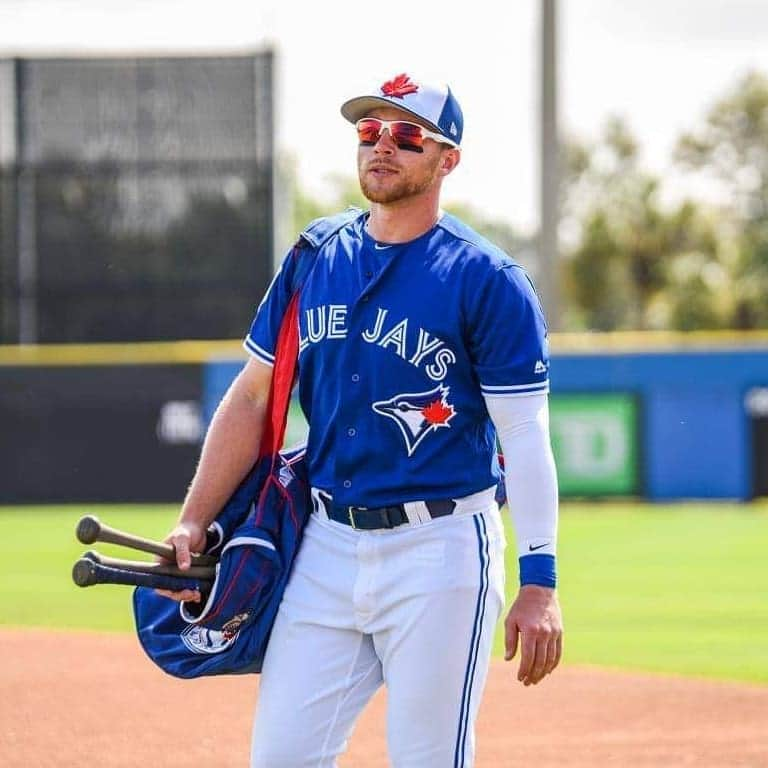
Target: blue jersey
x=398, y=346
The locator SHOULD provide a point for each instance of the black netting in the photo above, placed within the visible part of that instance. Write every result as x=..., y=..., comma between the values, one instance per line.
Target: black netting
x=140, y=201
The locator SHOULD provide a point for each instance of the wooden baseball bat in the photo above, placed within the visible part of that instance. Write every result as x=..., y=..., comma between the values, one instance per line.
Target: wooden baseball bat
x=90, y=529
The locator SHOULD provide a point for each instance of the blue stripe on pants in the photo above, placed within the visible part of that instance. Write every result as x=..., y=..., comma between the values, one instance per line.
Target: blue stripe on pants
x=469, y=675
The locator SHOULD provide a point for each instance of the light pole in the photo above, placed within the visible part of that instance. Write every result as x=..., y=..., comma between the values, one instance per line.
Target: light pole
x=549, y=275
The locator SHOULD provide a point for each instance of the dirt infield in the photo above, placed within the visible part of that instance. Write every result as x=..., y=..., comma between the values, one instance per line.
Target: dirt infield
x=72, y=699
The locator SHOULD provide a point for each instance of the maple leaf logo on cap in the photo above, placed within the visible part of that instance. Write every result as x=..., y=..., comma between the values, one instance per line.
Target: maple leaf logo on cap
x=399, y=86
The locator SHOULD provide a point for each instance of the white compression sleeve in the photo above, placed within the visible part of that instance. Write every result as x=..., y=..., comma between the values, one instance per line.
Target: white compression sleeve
x=522, y=424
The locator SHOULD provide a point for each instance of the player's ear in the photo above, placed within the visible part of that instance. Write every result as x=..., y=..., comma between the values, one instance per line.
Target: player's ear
x=449, y=160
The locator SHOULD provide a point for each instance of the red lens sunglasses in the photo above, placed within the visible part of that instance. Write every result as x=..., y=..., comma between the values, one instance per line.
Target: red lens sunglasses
x=406, y=135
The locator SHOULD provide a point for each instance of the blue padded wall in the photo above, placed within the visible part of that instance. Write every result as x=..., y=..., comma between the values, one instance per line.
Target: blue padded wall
x=694, y=427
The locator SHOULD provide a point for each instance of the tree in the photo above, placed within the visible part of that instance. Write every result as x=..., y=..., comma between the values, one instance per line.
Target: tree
x=731, y=147
x=626, y=255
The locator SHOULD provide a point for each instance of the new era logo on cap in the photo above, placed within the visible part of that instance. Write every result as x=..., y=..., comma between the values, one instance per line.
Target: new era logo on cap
x=435, y=104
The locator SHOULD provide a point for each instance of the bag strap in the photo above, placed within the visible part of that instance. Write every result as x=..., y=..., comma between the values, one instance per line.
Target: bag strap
x=319, y=231
x=287, y=347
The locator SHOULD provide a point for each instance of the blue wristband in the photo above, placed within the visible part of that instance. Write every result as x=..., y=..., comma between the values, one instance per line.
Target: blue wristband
x=538, y=569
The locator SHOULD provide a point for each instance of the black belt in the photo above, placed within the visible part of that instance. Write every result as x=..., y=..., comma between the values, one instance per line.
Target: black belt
x=373, y=519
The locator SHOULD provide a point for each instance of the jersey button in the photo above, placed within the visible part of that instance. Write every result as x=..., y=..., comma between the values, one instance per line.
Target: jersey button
x=355, y=378
x=347, y=483
x=351, y=431
x=369, y=275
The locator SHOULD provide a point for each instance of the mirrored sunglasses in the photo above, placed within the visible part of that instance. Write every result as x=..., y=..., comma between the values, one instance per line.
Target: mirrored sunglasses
x=406, y=135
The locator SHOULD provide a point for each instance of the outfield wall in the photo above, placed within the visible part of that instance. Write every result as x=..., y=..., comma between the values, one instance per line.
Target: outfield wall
x=661, y=416
x=696, y=423
x=102, y=423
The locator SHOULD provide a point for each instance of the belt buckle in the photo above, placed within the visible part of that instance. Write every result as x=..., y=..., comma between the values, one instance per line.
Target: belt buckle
x=351, y=514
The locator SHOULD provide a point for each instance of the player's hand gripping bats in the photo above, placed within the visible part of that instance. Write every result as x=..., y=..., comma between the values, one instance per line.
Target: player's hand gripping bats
x=93, y=568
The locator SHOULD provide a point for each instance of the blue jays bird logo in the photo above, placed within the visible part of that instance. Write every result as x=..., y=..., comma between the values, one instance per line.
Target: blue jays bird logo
x=418, y=414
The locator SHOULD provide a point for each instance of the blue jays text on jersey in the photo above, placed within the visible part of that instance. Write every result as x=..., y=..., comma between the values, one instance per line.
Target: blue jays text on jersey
x=432, y=353
x=398, y=345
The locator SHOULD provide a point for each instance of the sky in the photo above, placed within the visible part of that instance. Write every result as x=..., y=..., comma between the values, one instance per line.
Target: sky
x=658, y=63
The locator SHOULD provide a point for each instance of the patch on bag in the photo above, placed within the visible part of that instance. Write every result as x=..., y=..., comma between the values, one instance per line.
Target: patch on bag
x=233, y=625
x=202, y=640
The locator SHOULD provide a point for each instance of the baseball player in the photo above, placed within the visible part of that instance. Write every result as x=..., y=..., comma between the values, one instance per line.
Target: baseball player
x=420, y=344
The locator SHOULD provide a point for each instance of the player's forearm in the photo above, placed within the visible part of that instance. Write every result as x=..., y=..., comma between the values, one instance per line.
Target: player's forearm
x=229, y=451
x=531, y=482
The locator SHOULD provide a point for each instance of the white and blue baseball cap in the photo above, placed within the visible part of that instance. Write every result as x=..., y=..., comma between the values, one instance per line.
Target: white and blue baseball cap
x=435, y=104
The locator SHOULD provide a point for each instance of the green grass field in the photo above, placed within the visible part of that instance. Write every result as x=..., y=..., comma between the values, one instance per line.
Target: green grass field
x=678, y=589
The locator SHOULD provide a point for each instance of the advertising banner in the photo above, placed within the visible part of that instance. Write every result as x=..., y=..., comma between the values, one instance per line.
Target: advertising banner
x=595, y=442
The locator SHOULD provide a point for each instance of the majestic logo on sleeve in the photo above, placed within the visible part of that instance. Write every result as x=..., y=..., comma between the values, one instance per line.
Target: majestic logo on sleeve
x=417, y=415
x=399, y=86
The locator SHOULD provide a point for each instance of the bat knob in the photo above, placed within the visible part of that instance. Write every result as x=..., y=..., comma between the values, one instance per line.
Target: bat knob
x=88, y=529
x=83, y=572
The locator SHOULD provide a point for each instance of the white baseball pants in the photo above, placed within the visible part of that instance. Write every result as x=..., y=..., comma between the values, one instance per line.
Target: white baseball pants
x=413, y=607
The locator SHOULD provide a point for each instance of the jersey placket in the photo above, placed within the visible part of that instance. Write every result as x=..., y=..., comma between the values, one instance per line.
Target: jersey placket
x=352, y=372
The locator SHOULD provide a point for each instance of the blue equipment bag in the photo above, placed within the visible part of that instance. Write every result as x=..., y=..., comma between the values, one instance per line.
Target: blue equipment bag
x=229, y=634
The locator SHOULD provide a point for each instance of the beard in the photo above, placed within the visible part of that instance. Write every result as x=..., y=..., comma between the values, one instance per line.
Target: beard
x=400, y=186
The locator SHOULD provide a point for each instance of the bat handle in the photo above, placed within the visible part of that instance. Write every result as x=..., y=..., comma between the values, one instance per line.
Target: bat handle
x=87, y=573
x=193, y=572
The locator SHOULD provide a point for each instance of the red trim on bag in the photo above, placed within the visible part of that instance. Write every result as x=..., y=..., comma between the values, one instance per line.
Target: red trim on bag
x=244, y=555
x=283, y=376
x=272, y=478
